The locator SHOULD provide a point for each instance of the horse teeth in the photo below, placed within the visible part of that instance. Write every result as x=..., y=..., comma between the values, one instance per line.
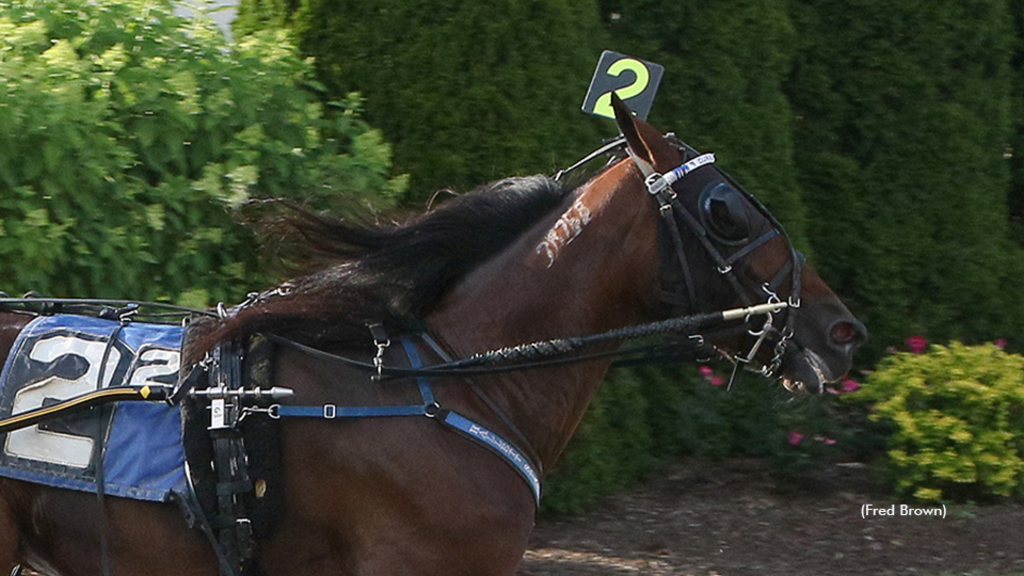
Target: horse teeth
x=793, y=385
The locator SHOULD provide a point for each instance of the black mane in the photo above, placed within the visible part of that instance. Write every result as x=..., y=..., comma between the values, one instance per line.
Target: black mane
x=394, y=274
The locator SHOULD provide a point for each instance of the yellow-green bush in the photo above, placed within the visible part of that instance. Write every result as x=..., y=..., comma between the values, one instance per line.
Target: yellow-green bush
x=958, y=418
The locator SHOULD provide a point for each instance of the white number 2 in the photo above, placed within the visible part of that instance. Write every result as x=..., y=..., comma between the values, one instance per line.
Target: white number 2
x=71, y=449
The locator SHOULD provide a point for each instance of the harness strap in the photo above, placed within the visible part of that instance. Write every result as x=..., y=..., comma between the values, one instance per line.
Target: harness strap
x=523, y=442
x=611, y=145
x=431, y=409
x=496, y=444
x=99, y=455
x=750, y=247
x=332, y=411
x=232, y=522
x=786, y=268
x=665, y=210
x=724, y=267
x=415, y=362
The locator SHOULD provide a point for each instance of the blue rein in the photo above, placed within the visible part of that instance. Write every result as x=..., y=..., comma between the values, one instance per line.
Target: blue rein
x=431, y=409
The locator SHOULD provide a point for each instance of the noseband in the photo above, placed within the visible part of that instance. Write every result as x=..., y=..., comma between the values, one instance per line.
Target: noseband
x=662, y=188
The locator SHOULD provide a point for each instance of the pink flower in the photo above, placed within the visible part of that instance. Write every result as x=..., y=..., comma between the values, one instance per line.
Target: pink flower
x=795, y=437
x=1000, y=343
x=850, y=385
x=917, y=344
x=709, y=374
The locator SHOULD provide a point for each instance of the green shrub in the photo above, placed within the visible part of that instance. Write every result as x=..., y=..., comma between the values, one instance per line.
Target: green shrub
x=468, y=91
x=644, y=417
x=127, y=134
x=958, y=418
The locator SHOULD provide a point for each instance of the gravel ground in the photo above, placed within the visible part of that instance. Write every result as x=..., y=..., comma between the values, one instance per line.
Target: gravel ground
x=728, y=519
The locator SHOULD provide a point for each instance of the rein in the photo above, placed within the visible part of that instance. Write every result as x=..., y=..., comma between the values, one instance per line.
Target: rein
x=545, y=353
x=121, y=310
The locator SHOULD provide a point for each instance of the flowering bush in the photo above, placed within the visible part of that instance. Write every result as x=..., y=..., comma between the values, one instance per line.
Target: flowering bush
x=958, y=413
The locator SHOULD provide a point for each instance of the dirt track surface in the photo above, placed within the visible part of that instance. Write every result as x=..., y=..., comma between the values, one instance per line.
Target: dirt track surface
x=727, y=519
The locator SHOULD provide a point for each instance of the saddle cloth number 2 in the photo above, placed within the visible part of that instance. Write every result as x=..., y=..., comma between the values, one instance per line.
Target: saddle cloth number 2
x=71, y=449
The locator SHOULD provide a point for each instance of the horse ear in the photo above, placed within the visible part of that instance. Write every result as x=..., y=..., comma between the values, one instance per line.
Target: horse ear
x=627, y=125
x=644, y=141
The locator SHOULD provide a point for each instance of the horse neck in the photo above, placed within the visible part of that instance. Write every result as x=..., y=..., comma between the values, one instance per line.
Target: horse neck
x=588, y=268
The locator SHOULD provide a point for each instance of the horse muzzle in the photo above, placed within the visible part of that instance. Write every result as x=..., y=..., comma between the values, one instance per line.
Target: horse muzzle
x=821, y=351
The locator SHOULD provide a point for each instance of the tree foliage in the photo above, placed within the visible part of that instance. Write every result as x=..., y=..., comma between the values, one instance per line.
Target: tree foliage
x=903, y=127
x=468, y=92
x=1015, y=194
x=129, y=134
x=725, y=63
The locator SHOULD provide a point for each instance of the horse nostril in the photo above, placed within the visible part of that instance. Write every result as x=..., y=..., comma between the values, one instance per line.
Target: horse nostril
x=845, y=333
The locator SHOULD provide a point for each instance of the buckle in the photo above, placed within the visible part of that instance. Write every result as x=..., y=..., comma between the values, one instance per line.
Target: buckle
x=657, y=184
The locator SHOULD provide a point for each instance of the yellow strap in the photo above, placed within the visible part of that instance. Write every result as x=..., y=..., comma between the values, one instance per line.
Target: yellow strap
x=111, y=394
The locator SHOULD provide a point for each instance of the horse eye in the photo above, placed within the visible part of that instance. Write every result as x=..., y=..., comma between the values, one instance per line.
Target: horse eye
x=725, y=213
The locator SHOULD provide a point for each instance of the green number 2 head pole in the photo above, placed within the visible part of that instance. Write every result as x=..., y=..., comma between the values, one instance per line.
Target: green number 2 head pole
x=635, y=81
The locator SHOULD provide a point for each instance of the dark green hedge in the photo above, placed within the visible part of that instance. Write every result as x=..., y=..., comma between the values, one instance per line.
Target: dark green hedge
x=903, y=133
x=467, y=91
x=643, y=418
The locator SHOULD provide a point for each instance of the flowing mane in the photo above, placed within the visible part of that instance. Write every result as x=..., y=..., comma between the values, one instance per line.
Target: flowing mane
x=394, y=274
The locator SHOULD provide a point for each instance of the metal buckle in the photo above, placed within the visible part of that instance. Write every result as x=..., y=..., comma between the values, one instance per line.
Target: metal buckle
x=656, y=184
x=270, y=411
x=378, y=360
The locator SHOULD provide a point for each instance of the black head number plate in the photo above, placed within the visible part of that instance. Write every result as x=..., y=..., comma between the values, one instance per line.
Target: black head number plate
x=634, y=80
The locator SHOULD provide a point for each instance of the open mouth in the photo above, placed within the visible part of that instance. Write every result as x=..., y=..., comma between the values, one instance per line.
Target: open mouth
x=806, y=372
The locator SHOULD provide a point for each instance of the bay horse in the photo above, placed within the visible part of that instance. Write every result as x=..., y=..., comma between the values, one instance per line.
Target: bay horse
x=658, y=232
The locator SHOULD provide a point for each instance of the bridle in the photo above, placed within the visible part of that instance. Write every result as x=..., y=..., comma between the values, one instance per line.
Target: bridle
x=662, y=187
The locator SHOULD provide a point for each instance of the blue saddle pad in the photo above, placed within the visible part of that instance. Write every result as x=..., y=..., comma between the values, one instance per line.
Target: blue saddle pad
x=58, y=357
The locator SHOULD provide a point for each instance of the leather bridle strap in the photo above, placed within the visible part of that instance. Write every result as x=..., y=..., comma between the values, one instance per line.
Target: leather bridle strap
x=660, y=186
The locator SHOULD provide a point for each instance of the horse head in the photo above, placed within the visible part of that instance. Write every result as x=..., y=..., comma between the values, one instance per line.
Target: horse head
x=720, y=248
